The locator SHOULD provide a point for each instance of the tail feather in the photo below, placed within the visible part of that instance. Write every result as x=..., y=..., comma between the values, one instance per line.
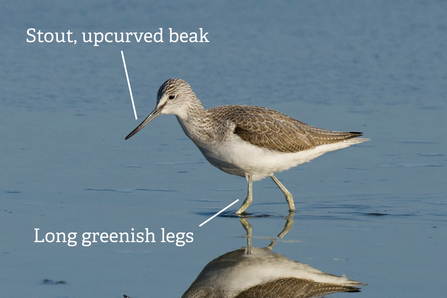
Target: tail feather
x=322, y=136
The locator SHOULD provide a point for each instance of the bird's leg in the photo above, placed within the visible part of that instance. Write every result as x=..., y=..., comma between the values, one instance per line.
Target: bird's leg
x=249, y=197
x=289, y=197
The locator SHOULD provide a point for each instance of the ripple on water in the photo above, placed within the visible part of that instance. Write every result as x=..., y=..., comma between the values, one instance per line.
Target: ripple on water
x=411, y=165
x=128, y=190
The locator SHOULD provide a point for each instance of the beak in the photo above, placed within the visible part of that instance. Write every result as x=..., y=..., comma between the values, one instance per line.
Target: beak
x=156, y=112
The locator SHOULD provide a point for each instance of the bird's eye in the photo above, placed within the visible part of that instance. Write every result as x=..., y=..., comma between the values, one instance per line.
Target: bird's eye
x=171, y=96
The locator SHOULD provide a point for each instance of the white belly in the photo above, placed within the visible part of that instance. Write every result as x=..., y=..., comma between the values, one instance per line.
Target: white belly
x=239, y=158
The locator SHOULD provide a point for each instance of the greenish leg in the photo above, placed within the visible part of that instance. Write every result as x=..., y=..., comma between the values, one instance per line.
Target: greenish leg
x=249, y=197
x=287, y=194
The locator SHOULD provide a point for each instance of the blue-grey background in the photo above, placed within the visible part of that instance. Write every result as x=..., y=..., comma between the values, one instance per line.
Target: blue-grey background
x=375, y=212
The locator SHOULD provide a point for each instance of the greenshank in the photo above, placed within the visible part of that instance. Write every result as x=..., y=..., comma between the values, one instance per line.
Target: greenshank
x=247, y=141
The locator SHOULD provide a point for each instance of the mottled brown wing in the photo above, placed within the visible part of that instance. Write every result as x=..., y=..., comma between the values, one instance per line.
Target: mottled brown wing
x=273, y=130
x=294, y=288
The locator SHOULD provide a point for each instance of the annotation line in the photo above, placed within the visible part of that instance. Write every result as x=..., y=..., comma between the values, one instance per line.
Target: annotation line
x=128, y=83
x=218, y=213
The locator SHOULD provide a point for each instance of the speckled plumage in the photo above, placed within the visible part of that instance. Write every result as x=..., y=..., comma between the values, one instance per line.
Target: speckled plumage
x=247, y=141
x=273, y=130
x=294, y=288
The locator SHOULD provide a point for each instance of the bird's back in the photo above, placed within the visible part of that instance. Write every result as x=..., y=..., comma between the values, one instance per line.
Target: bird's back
x=276, y=131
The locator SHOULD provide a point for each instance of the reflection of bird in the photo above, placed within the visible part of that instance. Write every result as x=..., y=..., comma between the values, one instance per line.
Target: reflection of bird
x=258, y=272
x=236, y=274
x=247, y=141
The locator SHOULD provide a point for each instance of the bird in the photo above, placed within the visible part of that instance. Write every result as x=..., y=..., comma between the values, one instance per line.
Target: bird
x=248, y=141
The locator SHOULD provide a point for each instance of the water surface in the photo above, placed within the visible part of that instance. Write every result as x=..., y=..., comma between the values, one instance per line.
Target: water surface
x=375, y=213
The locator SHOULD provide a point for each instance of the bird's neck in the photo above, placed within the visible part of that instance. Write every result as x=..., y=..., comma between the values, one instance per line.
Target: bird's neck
x=195, y=122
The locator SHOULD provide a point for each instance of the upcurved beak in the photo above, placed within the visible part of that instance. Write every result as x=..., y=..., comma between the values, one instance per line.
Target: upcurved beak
x=156, y=112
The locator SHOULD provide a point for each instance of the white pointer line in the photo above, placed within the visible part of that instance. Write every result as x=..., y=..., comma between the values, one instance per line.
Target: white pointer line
x=128, y=83
x=218, y=213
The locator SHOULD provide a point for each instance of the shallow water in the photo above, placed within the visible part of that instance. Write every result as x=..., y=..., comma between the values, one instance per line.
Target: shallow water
x=374, y=212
